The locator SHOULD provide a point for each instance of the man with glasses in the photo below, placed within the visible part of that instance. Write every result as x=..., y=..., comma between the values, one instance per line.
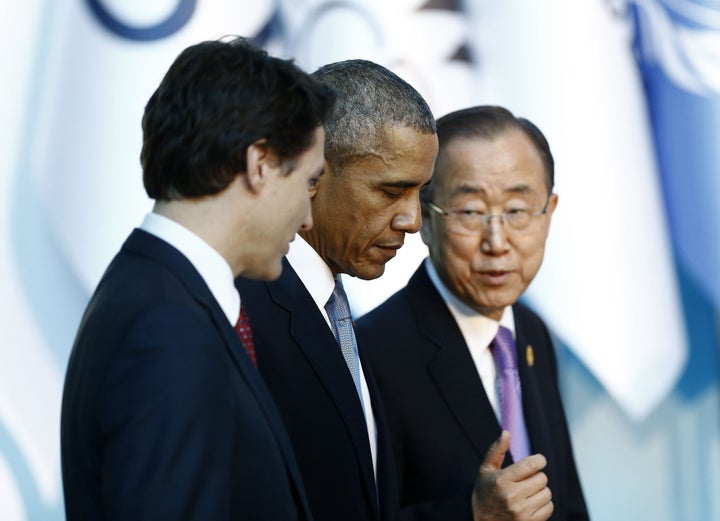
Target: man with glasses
x=468, y=374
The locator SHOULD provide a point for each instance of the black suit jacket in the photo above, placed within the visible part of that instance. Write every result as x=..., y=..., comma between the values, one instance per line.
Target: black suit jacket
x=164, y=416
x=441, y=421
x=303, y=366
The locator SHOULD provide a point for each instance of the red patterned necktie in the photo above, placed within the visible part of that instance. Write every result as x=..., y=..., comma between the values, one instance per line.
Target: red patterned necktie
x=242, y=327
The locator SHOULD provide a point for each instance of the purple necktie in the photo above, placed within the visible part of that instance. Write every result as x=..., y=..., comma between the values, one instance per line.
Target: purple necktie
x=511, y=409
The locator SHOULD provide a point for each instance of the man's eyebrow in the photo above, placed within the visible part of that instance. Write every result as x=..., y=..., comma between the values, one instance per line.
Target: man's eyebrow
x=519, y=189
x=466, y=189
x=399, y=184
x=469, y=189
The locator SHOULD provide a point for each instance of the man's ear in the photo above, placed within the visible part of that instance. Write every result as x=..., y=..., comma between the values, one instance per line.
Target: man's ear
x=260, y=160
x=552, y=203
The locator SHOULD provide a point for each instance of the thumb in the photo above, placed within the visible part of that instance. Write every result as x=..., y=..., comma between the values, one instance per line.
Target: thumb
x=496, y=453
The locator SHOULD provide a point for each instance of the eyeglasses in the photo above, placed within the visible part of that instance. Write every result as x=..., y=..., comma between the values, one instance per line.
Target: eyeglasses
x=474, y=222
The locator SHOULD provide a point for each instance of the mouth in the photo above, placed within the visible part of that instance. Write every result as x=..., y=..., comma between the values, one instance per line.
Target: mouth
x=389, y=250
x=494, y=277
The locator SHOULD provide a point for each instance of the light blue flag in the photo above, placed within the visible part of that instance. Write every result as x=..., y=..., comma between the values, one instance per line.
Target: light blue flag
x=677, y=45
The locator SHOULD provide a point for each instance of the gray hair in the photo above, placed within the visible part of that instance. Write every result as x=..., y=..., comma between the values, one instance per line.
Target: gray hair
x=370, y=98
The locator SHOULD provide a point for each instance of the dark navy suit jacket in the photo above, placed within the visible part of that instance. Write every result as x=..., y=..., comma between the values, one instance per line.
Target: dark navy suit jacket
x=303, y=366
x=164, y=416
x=441, y=420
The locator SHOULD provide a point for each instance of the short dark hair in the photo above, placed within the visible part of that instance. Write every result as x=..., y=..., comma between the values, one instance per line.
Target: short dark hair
x=488, y=122
x=218, y=98
x=370, y=98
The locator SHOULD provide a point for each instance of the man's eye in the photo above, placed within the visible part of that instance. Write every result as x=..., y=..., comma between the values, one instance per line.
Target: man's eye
x=516, y=211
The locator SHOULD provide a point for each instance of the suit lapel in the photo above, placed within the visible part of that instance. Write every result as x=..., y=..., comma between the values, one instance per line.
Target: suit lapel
x=386, y=477
x=536, y=415
x=145, y=244
x=312, y=335
x=452, y=367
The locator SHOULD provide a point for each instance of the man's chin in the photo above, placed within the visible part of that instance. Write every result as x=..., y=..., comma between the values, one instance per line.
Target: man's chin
x=268, y=272
x=368, y=271
x=274, y=271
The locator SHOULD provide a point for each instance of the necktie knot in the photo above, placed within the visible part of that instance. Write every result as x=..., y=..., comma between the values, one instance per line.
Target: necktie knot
x=503, y=349
x=337, y=305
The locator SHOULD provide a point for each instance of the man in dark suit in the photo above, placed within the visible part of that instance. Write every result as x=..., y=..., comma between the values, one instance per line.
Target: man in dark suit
x=436, y=346
x=164, y=416
x=379, y=153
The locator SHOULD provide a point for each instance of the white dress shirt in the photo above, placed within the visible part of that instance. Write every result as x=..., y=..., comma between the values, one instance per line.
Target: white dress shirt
x=319, y=281
x=478, y=332
x=212, y=267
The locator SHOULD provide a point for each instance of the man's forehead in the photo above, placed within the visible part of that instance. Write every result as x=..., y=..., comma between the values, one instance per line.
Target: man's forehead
x=484, y=188
x=396, y=173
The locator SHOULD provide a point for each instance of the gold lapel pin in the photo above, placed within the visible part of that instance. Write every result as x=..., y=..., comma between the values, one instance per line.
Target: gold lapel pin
x=530, y=355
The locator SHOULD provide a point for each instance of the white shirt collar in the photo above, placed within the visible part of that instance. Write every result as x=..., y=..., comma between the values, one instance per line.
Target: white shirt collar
x=313, y=272
x=320, y=283
x=471, y=323
x=212, y=267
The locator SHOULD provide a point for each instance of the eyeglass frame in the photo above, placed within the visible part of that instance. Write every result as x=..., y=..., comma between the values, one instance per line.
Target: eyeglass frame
x=486, y=218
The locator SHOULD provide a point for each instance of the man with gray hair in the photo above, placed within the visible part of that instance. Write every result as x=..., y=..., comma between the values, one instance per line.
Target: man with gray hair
x=380, y=151
x=468, y=373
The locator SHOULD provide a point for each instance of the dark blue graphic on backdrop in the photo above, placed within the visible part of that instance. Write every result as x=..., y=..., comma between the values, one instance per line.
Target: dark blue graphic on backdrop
x=172, y=24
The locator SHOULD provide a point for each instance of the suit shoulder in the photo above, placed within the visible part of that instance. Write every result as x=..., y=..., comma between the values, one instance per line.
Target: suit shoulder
x=254, y=295
x=389, y=311
x=528, y=317
x=131, y=285
x=533, y=329
x=286, y=286
x=383, y=332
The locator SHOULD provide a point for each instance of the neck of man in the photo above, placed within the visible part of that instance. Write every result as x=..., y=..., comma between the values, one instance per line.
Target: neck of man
x=209, y=218
x=315, y=239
